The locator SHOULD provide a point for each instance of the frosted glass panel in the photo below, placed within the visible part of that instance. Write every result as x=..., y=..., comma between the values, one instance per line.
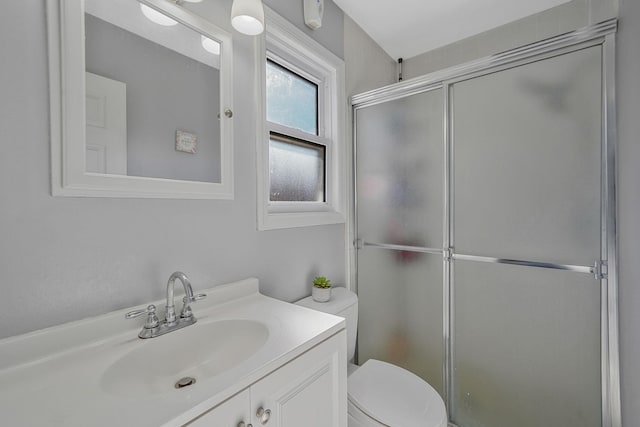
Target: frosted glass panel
x=400, y=171
x=291, y=100
x=401, y=311
x=527, y=161
x=296, y=171
x=527, y=347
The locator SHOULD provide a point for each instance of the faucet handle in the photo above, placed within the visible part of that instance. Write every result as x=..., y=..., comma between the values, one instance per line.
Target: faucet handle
x=186, y=300
x=152, y=319
x=186, y=305
x=198, y=297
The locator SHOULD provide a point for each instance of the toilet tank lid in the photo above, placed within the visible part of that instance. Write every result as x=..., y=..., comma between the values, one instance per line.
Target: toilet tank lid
x=395, y=396
x=341, y=299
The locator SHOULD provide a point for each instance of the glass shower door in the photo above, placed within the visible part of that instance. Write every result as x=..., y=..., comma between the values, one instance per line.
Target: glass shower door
x=400, y=152
x=485, y=221
x=526, y=156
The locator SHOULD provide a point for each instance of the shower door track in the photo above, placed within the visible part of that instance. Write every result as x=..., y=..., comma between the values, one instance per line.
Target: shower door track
x=604, y=269
x=595, y=269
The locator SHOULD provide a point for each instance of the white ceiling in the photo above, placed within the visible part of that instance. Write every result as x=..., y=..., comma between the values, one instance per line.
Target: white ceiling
x=406, y=28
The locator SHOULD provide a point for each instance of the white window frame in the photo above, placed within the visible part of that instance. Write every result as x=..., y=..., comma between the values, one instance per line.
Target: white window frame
x=289, y=47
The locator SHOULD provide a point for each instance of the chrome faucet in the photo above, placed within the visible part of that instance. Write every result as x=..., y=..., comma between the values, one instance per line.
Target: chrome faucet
x=153, y=327
x=188, y=298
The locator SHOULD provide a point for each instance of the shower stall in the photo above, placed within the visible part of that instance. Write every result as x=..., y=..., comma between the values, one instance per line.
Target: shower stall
x=485, y=233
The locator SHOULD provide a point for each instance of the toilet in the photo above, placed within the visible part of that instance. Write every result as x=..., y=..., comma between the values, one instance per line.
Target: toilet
x=379, y=393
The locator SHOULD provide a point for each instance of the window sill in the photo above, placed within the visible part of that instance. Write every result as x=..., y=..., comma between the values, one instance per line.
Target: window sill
x=278, y=220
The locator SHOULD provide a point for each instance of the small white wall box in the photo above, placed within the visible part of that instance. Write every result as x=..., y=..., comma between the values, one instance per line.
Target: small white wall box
x=313, y=12
x=186, y=141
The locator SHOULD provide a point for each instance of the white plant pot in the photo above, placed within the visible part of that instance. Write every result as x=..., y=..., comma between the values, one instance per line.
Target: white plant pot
x=320, y=294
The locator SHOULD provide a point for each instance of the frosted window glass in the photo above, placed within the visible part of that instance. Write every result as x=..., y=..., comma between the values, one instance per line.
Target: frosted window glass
x=291, y=100
x=527, y=347
x=296, y=171
x=400, y=171
x=526, y=146
x=400, y=311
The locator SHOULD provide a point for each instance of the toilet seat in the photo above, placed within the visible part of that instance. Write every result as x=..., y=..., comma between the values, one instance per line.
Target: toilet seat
x=395, y=397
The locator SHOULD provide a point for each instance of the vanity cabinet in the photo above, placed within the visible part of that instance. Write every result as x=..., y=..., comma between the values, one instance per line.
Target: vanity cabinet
x=229, y=413
x=246, y=352
x=310, y=391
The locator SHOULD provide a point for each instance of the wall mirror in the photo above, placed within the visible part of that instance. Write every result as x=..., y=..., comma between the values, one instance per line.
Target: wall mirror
x=141, y=101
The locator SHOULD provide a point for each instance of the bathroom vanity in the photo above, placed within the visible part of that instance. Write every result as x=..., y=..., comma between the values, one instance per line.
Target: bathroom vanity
x=248, y=360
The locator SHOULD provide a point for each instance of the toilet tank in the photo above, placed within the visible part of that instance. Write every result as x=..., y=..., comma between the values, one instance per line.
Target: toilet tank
x=343, y=303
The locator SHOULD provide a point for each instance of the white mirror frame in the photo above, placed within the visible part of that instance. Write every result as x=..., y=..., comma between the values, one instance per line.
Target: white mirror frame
x=67, y=113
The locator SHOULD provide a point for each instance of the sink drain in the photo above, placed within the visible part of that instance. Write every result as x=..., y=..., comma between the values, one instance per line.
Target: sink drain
x=185, y=382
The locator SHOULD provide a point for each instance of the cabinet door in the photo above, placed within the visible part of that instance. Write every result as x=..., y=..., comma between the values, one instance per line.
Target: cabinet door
x=309, y=391
x=229, y=413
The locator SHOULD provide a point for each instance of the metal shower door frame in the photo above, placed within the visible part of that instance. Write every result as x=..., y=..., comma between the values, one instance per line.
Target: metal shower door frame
x=604, y=270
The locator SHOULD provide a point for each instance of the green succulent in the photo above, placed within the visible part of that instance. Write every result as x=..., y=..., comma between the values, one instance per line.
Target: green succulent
x=321, y=282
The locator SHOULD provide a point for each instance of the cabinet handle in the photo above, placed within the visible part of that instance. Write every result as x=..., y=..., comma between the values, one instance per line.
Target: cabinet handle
x=242, y=424
x=263, y=415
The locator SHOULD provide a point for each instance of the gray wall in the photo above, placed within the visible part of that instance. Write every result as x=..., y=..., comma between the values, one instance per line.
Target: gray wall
x=558, y=20
x=330, y=35
x=628, y=99
x=166, y=92
x=367, y=65
x=63, y=259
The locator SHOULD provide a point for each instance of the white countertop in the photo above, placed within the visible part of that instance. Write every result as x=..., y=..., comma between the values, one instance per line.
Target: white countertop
x=54, y=376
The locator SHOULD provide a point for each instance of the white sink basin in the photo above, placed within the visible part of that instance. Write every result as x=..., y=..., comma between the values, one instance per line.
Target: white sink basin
x=97, y=371
x=200, y=351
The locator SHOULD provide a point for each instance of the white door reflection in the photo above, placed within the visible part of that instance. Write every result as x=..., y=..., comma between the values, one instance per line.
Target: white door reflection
x=106, y=109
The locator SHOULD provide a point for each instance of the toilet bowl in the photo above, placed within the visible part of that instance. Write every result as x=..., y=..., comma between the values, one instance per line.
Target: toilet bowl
x=379, y=393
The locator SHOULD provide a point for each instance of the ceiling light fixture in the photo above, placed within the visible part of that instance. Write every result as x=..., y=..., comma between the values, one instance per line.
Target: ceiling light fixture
x=247, y=16
x=209, y=45
x=157, y=17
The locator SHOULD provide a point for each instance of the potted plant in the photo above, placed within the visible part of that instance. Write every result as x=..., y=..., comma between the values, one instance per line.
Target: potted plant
x=321, y=291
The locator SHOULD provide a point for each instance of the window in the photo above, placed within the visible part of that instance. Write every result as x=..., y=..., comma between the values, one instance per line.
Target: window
x=292, y=100
x=296, y=170
x=300, y=145
x=296, y=165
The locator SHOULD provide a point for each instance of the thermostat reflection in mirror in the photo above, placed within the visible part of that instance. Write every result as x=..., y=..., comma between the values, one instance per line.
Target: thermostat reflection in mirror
x=186, y=142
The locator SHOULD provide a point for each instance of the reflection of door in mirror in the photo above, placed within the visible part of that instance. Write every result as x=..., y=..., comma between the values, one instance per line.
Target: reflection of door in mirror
x=172, y=84
x=106, y=112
